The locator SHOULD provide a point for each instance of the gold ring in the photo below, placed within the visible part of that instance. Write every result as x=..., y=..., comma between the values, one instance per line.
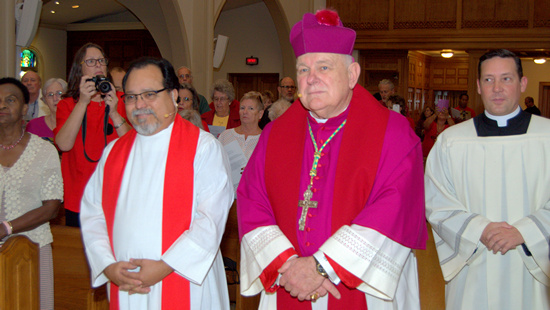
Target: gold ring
x=314, y=297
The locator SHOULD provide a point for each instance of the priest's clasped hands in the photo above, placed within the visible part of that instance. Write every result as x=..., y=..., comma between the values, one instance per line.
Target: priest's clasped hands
x=501, y=237
x=301, y=279
x=150, y=273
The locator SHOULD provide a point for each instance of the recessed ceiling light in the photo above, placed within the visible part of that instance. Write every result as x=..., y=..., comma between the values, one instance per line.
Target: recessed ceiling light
x=57, y=2
x=539, y=61
x=52, y=11
x=75, y=6
x=447, y=53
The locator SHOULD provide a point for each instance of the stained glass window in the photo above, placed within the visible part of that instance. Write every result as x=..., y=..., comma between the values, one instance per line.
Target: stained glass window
x=28, y=59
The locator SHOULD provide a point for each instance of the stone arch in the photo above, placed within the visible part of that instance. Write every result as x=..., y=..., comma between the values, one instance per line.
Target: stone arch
x=283, y=31
x=164, y=21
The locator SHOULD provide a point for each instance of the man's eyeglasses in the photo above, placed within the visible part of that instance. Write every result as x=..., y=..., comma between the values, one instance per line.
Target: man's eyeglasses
x=147, y=96
x=185, y=76
x=52, y=94
x=288, y=87
x=92, y=62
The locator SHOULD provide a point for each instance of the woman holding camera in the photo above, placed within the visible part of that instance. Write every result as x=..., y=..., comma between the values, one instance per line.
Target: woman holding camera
x=90, y=116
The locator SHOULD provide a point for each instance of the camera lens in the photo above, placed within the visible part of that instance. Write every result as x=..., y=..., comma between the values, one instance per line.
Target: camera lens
x=104, y=87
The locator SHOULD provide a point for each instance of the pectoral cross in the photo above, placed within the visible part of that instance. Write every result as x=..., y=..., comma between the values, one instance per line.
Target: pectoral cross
x=306, y=204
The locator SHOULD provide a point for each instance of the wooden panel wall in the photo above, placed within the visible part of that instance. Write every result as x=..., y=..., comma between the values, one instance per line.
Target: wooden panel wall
x=121, y=46
x=449, y=74
x=495, y=14
x=420, y=14
x=542, y=13
x=373, y=14
x=379, y=65
x=454, y=24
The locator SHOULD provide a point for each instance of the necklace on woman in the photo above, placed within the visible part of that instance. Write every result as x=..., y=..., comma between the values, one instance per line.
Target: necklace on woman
x=7, y=148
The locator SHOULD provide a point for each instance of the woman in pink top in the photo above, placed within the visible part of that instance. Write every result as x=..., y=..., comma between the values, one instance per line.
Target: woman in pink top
x=43, y=126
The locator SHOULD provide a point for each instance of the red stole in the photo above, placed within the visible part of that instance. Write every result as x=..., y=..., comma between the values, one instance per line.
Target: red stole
x=177, y=200
x=358, y=159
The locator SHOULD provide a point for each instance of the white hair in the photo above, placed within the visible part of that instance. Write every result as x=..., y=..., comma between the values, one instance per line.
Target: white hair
x=54, y=80
x=278, y=108
x=387, y=82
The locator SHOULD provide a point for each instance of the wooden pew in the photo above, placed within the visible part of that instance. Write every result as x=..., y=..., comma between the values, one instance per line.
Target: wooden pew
x=72, y=288
x=230, y=247
x=19, y=275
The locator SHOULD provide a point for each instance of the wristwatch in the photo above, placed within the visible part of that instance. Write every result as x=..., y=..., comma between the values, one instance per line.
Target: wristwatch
x=320, y=269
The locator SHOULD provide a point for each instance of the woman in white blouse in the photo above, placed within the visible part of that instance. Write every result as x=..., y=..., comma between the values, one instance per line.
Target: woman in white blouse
x=248, y=133
x=31, y=187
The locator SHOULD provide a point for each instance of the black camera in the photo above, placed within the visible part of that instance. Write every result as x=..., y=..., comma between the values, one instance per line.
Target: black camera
x=101, y=83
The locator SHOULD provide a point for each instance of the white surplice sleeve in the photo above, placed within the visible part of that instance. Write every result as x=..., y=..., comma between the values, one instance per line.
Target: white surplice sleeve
x=457, y=229
x=93, y=225
x=193, y=253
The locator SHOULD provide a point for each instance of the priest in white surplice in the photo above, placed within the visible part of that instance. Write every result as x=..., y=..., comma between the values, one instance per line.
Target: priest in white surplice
x=154, y=211
x=488, y=197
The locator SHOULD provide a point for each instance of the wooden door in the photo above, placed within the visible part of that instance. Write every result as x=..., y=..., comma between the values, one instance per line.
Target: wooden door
x=245, y=82
x=544, y=99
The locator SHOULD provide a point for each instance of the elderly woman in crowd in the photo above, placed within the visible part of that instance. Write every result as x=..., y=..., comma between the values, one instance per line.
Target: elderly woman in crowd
x=188, y=105
x=43, y=126
x=225, y=111
x=278, y=108
x=31, y=188
x=248, y=133
x=87, y=119
x=433, y=126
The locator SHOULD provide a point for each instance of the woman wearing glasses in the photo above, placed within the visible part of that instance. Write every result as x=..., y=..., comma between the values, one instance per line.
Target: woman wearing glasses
x=87, y=120
x=43, y=126
x=188, y=105
x=225, y=109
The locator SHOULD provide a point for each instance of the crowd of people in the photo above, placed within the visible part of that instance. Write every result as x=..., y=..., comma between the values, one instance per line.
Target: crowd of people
x=332, y=197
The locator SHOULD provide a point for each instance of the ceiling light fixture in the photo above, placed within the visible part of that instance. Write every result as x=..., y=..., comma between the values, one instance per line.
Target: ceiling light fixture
x=539, y=61
x=75, y=6
x=57, y=2
x=447, y=53
x=52, y=11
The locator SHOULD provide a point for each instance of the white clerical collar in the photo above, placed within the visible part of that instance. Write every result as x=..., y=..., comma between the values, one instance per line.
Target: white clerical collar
x=502, y=120
x=324, y=120
x=319, y=120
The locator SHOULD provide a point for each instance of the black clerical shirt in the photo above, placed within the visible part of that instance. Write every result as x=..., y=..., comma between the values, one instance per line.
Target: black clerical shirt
x=517, y=125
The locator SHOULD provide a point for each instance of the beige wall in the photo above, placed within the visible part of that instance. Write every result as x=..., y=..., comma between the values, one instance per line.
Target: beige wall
x=535, y=74
x=51, y=45
x=184, y=33
x=251, y=32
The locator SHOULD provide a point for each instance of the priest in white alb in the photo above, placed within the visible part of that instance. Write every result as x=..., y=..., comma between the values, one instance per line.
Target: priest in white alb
x=154, y=211
x=488, y=197
x=331, y=203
